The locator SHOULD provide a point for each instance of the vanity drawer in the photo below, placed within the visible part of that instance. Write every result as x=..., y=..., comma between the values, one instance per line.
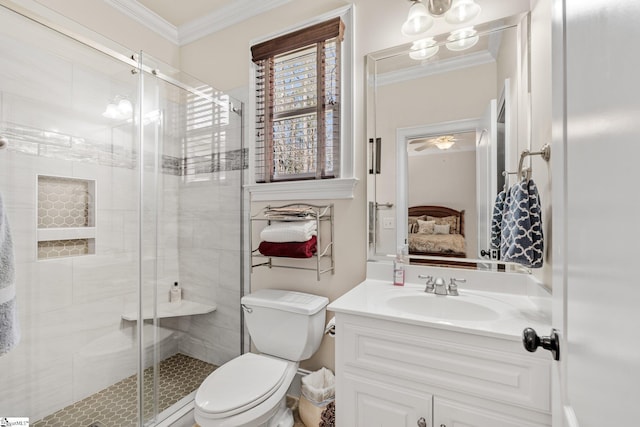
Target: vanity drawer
x=445, y=360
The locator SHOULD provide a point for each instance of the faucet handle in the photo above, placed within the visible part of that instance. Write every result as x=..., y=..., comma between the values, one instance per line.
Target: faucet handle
x=429, y=284
x=453, y=286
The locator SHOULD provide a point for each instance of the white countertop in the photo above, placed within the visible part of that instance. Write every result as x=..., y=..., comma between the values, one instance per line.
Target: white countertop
x=514, y=312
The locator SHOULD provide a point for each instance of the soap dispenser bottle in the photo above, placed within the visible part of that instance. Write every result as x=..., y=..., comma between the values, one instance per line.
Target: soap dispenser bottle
x=175, y=294
x=399, y=266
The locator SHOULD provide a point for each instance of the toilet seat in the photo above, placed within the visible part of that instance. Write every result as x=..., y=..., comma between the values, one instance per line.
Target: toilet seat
x=240, y=385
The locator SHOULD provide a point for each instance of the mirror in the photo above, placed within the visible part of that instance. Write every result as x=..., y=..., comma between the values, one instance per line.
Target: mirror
x=444, y=123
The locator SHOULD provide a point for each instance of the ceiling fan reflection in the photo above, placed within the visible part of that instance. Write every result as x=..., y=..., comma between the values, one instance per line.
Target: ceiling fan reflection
x=443, y=142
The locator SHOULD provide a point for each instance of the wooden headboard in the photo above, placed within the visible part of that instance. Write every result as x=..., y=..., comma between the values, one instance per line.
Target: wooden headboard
x=438, y=212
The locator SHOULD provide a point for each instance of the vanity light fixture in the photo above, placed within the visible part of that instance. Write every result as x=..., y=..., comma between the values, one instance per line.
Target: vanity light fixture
x=423, y=49
x=462, y=11
x=455, y=12
x=462, y=39
x=120, y=108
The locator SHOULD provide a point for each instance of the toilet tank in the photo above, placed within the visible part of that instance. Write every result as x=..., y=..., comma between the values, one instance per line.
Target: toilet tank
x=285, y=324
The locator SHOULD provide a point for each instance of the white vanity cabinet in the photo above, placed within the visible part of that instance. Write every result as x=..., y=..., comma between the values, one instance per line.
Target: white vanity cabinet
x=396, y=374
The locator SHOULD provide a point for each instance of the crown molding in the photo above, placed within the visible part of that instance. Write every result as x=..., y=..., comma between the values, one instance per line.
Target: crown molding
x=146, y=17
x=233, y=13
x=427, y=69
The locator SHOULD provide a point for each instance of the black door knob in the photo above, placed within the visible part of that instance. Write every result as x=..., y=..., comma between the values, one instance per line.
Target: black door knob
x=532, y=341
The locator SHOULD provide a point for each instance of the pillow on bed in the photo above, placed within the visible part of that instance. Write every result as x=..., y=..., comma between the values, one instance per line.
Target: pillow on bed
x=452, y=221
x=413, y=223
x=426, y=227
x=440, y=228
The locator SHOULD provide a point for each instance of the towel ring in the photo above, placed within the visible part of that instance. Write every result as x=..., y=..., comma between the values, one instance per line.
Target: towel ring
x=506, y=174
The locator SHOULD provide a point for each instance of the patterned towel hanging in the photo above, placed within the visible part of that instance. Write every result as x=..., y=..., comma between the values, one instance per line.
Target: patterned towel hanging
x=496, y=221
x=521, y=233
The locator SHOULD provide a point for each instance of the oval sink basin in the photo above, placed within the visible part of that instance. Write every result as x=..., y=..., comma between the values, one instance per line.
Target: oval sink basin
x=442, y=307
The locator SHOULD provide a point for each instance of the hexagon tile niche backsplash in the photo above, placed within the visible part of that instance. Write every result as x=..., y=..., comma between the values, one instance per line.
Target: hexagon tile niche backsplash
x=64, y=203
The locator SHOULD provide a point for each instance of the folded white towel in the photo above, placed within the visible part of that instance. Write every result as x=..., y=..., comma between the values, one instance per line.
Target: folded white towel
x=288, y=231
x=9, y=330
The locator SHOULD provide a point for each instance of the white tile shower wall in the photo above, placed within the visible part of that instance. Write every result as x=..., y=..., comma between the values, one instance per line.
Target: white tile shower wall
x=209, y=242
x=66, y=304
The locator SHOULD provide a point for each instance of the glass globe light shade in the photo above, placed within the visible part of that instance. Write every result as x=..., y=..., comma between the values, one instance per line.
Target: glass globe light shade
x=124, y=107
x=462, y=11
x=111, y=112
x=418, y=21
x=462, y=39
x=423, y=49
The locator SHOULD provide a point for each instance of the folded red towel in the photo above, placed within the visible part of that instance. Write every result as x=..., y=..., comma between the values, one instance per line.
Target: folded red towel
x=289, y=249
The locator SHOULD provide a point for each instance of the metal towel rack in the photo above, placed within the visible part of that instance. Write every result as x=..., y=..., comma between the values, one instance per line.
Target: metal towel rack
x=545, y=153
x=506, y=178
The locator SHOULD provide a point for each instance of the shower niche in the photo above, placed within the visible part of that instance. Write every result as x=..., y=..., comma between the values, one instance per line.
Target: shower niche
x=66, y=217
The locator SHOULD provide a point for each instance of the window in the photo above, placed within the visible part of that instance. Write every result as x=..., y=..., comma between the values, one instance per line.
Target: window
x=298, y=104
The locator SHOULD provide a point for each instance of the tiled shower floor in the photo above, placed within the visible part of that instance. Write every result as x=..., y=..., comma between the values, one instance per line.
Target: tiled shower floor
x=116, y=405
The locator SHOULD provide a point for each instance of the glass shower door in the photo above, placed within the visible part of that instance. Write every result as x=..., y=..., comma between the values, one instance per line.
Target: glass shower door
x=193, y=159
x=69, y=182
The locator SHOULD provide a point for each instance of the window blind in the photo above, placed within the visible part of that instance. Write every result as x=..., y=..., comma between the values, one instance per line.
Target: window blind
x=298, y=106
x=205, y=136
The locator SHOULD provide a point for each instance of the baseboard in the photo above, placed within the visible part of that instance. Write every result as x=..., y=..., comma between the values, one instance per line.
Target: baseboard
x=295, y=389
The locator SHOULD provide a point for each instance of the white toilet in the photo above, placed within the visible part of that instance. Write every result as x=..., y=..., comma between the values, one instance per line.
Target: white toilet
x=250, y=390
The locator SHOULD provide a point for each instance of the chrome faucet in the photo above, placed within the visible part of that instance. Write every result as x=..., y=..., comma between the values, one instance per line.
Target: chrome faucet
x=453, y=286
x=440, y=288
x=429, y=284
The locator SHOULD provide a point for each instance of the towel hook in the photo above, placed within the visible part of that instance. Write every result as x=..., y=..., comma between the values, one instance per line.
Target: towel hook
x=545, y=153
x=4, y=142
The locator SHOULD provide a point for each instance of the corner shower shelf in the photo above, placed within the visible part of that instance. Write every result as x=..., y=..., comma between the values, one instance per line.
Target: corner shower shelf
x=324, y=258
x=172, y=309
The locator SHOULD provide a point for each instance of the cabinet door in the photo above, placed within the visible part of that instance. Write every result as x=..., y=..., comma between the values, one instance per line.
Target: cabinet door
x=367, y=402
x=453, y=414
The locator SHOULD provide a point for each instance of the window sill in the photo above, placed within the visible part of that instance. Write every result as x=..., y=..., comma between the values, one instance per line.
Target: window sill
x=341, y=188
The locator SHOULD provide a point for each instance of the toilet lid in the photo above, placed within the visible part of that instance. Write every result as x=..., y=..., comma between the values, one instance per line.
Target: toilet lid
x=240, y=384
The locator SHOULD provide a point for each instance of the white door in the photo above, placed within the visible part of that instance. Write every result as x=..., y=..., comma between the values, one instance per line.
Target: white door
x=486, y=174
x=596, y=205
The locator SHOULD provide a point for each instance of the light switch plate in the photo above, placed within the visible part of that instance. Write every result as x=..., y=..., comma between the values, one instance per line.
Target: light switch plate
x=387, y=222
